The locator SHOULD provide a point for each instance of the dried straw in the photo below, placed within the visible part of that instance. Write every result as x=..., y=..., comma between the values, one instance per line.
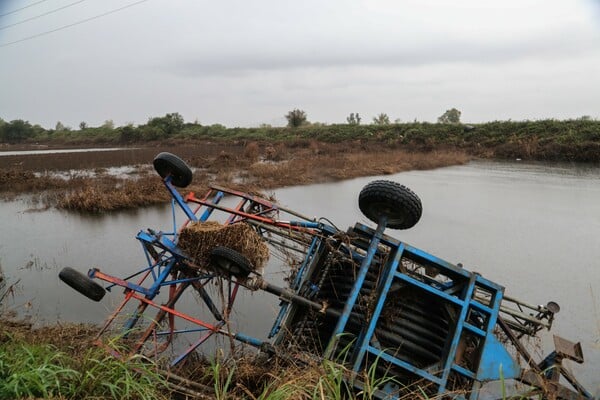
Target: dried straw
x=198, y=239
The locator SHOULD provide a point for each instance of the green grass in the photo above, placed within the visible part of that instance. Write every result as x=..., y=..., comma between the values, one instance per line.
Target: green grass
x=107, y=377
x=576, y=139
x=221, y=379
x=35, y=371
x=42, y=371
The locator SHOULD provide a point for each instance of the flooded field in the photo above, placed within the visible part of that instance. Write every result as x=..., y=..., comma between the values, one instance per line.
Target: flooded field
x=58, y=151
x=530, y=227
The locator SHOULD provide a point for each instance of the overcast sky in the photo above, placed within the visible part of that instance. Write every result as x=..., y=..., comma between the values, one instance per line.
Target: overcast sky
x=243, y=63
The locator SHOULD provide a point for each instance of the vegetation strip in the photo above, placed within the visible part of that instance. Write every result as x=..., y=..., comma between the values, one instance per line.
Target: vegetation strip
x=61, y=362
x=249, y=167
x=551, y=140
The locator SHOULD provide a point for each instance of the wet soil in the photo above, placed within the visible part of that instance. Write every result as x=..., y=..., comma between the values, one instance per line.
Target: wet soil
x=83, y=181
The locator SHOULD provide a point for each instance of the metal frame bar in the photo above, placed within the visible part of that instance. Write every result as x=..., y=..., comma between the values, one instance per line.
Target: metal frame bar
x=165, y=260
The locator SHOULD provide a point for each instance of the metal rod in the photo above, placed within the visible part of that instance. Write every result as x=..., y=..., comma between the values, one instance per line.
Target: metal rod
x=360, y=279
x=520, y=348
x=262, y=201
x=294, y=298
x=522, y=315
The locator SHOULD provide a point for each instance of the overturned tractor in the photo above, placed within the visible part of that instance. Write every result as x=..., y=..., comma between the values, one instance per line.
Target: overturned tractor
x=358, y=297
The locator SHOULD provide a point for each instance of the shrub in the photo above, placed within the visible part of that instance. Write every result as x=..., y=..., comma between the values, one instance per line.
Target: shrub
x=296, y=118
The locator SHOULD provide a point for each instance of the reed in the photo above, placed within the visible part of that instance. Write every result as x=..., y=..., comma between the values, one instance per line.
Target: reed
x=251, y=167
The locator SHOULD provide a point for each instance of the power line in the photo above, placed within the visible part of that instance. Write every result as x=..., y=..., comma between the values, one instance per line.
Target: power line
x=73, y=24
x=42, y=15
x=22, y=8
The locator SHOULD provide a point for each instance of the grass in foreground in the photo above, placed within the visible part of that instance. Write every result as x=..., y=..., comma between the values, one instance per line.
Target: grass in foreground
x=59, y=362
x=42, y=371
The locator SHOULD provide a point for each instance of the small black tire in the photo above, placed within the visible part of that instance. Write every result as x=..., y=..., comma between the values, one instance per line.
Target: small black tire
x=167, y=164
x=400, y=205
x=82, y=283
x=230, y=262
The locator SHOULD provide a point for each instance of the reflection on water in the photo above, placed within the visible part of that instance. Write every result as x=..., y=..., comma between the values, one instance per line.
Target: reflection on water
x=122, y=172
x=531, y=227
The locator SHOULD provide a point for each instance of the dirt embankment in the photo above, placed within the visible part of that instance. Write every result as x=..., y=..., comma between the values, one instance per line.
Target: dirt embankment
x=247, y=166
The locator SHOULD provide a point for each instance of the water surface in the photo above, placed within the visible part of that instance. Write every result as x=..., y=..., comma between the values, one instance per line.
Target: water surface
x=59, y=151
x=534, y=228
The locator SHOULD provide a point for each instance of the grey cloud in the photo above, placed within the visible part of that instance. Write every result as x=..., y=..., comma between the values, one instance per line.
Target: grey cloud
x=407, y=58
x=263, y=58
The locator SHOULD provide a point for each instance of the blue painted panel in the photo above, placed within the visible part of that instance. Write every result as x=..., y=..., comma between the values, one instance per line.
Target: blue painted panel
x=496, y=363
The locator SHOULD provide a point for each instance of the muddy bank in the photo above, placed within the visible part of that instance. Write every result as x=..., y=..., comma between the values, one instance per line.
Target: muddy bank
x=89, y=182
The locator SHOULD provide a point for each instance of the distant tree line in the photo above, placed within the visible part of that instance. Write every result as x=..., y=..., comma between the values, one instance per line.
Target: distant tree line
x=18, y=131
x=162, y=127
x=157, y=128
x=568, y=140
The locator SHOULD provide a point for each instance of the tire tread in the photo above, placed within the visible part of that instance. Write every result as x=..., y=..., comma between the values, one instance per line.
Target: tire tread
x=82, y=283
x=168, y=164
x=392, y=194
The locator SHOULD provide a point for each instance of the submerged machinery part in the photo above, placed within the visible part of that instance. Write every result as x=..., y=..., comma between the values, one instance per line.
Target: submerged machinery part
x=360, y=298
x=310, y=331
x=412, y=327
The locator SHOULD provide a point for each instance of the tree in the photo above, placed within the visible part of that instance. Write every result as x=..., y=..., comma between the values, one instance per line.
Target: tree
x=108, y=124
x=170, y=124
x=296, y=118
x=451, y=116
x=353, y=119
x=381, y=119
x=128, y=134
x=16, y=131
x=82, y=125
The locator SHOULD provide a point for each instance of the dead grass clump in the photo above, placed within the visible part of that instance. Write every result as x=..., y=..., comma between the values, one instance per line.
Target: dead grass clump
x=72, y=338
x=198, y=239
x=314, y=147
x=231, y=164
x=17, y=180
x=127, y=194
x=270, y=153
x=225, y=159
x=334, y=165
x=286, y=173
x=252, y=151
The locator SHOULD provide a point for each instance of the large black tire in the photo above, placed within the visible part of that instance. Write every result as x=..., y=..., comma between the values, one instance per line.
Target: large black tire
x=400, y=205
x=230, y=262
x=167, y=164
x=82, y=283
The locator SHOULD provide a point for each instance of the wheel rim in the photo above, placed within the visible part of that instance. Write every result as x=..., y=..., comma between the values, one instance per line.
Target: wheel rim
x=390, y=203
x=393, y=215
x=228, y=266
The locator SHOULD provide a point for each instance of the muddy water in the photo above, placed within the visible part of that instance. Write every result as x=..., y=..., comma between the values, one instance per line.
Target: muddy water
x=534, y=228
x=58, y=151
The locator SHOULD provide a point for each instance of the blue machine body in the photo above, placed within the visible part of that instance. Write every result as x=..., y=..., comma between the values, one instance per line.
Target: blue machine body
x=361, y=298
x=473, y=300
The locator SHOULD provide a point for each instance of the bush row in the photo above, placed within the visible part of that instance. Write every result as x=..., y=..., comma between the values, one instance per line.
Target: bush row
x=545, y=139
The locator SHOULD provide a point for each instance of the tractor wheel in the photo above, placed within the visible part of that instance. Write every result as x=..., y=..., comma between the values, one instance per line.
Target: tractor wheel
x=230, y=262
x=167, y=164
x=400, y=205
x=82, y=283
